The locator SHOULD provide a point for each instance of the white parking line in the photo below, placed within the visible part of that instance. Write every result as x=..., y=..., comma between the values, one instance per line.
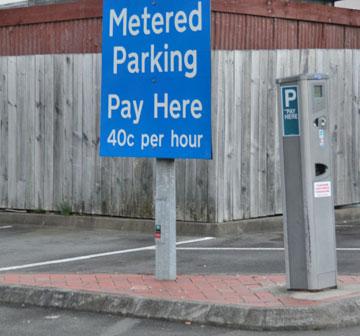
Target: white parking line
x=194, y=241
x=254, y=249
x=5, y=227
x=230, y=248
x=92, y=256
x=349, y=249
x=152, y=247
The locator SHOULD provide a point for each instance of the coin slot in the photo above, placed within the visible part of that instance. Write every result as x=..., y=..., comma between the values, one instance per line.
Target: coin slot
x=320, y=122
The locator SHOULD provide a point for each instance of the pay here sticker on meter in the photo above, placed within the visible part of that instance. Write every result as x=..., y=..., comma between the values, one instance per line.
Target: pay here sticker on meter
x=290, y=110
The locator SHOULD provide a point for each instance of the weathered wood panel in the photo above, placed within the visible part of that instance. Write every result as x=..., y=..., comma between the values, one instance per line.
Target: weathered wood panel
x=249, y=177
x=49, y=137
x=4, y=129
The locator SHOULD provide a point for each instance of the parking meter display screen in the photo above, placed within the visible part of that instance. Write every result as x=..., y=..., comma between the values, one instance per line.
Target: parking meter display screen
x=318, y=91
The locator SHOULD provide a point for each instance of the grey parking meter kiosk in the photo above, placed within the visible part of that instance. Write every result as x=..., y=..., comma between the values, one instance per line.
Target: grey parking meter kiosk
x=309, y=219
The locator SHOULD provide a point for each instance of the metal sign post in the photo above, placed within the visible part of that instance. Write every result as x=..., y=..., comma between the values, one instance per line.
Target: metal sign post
x=156, y=96
x=165, y=220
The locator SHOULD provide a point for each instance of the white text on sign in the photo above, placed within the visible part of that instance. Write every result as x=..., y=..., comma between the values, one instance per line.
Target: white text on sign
x=153, y=60
x=162, y=107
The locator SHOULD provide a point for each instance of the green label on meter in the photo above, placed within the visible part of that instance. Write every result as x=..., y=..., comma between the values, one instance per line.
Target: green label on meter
x=290, y=110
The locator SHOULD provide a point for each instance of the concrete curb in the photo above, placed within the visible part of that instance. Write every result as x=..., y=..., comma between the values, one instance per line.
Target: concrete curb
x=346, y=216
x=343, y=313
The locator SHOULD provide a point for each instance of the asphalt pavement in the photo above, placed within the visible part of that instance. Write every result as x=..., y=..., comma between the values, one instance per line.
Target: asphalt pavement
x=70, y=250
x=251, y=253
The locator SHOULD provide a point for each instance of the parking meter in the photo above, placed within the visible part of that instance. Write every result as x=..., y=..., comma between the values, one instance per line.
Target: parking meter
x=308, y=203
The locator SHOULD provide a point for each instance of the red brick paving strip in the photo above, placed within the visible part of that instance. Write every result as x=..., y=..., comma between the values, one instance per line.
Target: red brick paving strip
x=254, y=290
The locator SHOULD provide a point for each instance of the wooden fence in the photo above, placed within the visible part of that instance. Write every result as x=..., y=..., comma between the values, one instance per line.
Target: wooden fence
x=49, y=137
x=247, y=155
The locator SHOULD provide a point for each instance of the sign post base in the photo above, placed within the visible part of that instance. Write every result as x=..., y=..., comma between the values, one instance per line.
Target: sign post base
x=165, y=220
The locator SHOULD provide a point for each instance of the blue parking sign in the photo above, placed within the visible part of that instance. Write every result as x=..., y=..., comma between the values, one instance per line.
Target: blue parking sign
x=156, y=79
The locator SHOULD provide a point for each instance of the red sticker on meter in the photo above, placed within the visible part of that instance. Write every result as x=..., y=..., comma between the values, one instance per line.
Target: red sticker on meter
x=157, y=234
x=322, y=189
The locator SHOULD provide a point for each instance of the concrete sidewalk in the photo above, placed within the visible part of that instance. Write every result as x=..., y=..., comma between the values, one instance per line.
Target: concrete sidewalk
x=258, y=302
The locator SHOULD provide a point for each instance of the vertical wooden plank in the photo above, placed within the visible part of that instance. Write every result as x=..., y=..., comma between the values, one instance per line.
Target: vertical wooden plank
x=355, y=165
x=246, y=136
x=238, y=120
x=21, y=128
x=254, y=136
x=126, y=187
x=180, y=166
x=333, y=111
x=201, y=186
x=129, y=177
x=212, y=165
x=12, y=132
x=148, y=183
x=281, y=63
x=97, y=203
x=348, y=117
x=320, y=63
x=28, y=113
x=263, y=126
x=276, y=140
x=49, y=119
x=282, y=70
x=109, y=178
x=220, y=136
x=138, y=165
x=77, y=135
x=307, y=62
x=338, y=105
x=112, y=186
x=4, y=126
x=294, y=62
x=59, y=141
x=190, y=190
x=228, y=112
x=67, y=98
x=312, y=61
x=88, y=154
x=39, y=145
x=277, y=167
x=143, y=188
x=272, y=136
